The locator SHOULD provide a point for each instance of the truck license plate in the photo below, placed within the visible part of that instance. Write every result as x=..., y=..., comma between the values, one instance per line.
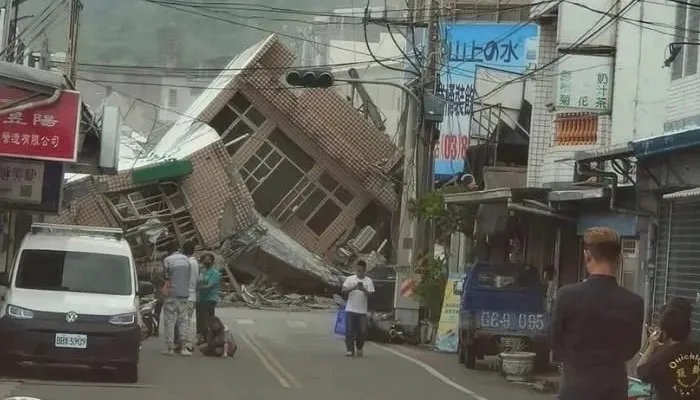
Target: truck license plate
x=513, y=321
x=71, y=341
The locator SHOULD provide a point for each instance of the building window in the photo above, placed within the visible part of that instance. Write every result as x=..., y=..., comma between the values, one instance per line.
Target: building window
x=275, y=175
x=295, y=153
x=324, y=217
x=172, y=98
x=687, y=26
x=236, y=122
x=335, y=189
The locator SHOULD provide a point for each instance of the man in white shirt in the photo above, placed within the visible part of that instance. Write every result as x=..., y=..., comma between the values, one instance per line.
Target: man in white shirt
x=188, y=250
x=357, y=288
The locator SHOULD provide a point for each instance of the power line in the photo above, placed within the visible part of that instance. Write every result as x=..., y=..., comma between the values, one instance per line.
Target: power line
x=589, y=34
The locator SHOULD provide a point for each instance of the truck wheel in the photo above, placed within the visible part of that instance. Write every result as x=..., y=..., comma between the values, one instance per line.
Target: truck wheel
x=460, y=353
x=470, y=356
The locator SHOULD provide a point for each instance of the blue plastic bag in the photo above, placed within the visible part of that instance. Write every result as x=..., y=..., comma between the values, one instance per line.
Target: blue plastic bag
x=340, y=321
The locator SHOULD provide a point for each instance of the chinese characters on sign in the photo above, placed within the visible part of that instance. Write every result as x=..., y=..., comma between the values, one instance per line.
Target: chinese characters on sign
x=458, y=97
x=21, y=181
x=48, y=132
x=584, y=82
x=504, y=47
x=505, y=51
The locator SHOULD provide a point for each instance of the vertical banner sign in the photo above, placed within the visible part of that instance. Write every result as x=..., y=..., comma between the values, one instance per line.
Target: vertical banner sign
x=49, y=132
x=448, y=327
x=508, y=47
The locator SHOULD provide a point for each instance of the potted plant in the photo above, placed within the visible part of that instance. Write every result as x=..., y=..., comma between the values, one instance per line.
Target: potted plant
x=517, y=363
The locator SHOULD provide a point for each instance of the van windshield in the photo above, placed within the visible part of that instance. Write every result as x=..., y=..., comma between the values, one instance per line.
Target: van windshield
x=72, y=271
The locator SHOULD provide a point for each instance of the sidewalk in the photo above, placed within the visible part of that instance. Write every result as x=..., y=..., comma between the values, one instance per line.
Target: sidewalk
x=485, y=379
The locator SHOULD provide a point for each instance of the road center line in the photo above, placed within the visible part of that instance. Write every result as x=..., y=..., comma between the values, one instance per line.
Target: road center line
x=275, y=363
x=264, y=361
x=432, y=371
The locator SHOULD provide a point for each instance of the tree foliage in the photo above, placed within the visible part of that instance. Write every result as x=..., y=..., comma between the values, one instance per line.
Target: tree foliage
x=447, y=220
x=430, y=291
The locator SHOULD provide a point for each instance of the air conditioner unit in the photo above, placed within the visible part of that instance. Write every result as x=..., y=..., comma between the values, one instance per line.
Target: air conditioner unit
x=362, y=239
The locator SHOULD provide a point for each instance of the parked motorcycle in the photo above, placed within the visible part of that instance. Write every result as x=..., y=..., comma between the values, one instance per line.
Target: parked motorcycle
x=148, y=318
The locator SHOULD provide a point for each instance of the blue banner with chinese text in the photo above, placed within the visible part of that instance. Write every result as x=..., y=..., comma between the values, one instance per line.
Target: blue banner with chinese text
x=507, y=47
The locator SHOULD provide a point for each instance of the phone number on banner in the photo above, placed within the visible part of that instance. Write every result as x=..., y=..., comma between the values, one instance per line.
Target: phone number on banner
x=452, y=147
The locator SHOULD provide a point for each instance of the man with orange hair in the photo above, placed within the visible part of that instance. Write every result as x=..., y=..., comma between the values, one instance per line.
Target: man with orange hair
x=596, y=325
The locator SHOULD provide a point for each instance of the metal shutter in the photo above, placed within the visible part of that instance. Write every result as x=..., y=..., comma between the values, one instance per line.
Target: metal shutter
x=678, y=256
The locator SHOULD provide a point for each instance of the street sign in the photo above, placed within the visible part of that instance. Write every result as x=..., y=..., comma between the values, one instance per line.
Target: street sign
x=21, y=181
x=49, y=132
x=31, y=186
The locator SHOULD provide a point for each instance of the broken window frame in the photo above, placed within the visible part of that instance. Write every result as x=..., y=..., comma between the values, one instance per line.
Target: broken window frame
x=248, y=175
x=242, y=117
x=134, y=211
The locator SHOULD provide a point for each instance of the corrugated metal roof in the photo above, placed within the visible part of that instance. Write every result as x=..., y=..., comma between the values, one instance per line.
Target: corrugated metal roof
x=683, y=194
x=180, y=139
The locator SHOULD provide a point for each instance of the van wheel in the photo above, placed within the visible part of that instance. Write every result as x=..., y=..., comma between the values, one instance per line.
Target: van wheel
x=470, y=356
x=128, y=373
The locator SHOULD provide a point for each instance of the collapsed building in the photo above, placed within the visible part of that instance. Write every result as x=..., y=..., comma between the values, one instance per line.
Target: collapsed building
x=275, y=179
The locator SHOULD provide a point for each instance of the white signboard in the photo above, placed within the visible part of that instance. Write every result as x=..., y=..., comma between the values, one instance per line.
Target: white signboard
x=585, y=83
x=21, y=181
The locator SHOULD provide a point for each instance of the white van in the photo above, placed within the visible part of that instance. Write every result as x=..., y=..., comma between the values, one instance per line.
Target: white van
x=72, y=297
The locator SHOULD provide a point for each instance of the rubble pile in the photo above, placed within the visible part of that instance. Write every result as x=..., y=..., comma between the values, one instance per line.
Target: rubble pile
x=263, y=294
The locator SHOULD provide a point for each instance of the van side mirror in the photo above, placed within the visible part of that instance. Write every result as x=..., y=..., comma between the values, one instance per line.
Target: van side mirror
x=145, y=288
x=4, y=279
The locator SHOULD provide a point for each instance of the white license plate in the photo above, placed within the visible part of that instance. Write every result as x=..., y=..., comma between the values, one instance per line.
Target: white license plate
x=71, y=341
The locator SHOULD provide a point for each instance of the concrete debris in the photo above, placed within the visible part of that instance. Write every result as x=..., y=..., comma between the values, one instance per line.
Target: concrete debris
x=265, y=254
x=262, y=294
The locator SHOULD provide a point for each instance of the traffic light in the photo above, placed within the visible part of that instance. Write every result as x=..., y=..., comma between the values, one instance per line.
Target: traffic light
x=310, y=78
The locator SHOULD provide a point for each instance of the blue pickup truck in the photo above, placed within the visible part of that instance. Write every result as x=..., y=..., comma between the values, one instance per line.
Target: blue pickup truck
x=501, y=301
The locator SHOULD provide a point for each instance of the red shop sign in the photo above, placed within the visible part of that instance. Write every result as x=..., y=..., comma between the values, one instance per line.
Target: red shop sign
x=49, y=132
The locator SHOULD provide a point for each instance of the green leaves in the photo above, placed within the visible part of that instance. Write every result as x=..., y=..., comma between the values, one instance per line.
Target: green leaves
x=431, y=287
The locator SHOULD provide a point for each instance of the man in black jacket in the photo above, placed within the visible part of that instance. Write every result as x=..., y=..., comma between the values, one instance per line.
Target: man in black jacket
x=597, y=325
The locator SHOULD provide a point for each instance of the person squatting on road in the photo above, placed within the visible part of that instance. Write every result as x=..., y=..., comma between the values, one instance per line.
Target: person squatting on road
x=220, y=341
x=357, y=288
x=597, y=325
x=176, y=290
x=671, y=362
x=209, y=283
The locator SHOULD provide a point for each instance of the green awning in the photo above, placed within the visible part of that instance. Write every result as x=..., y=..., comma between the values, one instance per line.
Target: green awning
x=167, y=170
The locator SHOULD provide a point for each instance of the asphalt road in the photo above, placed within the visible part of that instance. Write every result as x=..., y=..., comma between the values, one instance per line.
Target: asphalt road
x=281, y=355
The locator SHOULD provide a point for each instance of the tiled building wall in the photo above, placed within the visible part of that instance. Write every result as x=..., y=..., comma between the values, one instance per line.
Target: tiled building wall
x=542, y=126
x=295, y=227
x=82, y=205
x=211, y=186
x=548, y=162
x=322, y=115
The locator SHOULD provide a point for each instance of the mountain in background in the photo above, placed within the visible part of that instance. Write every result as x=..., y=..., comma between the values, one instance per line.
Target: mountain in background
x=137, y=32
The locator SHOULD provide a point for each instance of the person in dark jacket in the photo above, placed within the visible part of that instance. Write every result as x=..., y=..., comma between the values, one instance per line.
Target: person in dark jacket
x=671, y=362
x=596, y=325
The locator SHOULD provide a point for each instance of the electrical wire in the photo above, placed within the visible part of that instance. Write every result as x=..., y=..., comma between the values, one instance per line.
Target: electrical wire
x=579, y=42
x=371, y=53
x=43, y=16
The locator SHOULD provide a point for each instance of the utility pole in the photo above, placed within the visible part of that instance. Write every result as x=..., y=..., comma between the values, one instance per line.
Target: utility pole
x=425, y=243
x=73, y=26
